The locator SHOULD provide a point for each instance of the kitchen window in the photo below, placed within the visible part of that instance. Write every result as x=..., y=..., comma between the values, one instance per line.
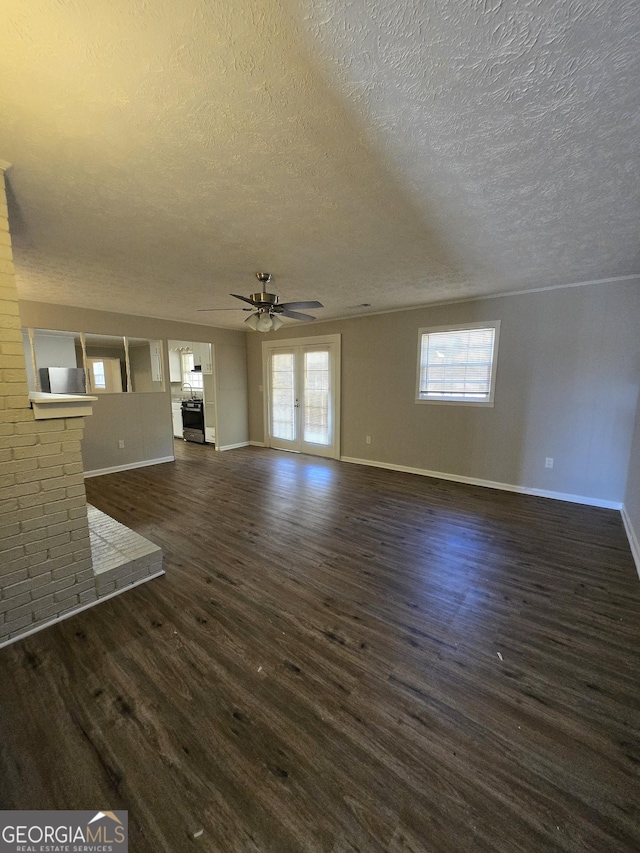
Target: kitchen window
x=457, y=364
x=189, y=375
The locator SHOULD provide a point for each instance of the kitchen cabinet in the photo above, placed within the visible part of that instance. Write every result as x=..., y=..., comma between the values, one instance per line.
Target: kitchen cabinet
x=176, y=416
x=207, y=361
x=155, y=351
x=197, y=357
x=175, y=367
x=202, y=357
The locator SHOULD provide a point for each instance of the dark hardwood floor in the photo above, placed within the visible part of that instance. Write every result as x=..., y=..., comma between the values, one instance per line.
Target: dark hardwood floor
x=341, y=659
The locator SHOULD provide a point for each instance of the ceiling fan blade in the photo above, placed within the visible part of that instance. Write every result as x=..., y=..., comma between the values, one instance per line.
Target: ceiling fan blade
x=294, y=315
x=244, y=299
x=294, y=306
x=223, y=309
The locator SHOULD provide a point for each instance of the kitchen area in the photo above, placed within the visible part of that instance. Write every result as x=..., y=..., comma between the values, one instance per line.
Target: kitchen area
x=192, y=383
x=132, y=423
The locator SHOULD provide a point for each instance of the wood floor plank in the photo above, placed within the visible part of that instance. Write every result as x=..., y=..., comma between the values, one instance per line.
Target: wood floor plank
x=341, y=659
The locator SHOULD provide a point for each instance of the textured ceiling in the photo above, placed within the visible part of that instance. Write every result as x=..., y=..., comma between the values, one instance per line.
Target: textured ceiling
x=394, y=153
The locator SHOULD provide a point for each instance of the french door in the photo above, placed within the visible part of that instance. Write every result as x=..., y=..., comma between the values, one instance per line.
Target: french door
x=302, y=395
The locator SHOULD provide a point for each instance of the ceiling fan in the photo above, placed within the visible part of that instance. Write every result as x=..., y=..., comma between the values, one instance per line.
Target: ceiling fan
x=268, y=310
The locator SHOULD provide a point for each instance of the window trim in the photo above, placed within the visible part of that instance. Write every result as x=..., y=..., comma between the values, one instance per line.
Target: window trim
x=461, y=401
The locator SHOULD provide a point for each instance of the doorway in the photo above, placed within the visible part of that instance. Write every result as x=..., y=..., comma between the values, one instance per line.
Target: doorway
x=302, y=395
x=192, y=374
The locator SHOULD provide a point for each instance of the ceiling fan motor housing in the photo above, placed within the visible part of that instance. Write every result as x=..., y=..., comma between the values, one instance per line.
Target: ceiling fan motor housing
x=267, y=299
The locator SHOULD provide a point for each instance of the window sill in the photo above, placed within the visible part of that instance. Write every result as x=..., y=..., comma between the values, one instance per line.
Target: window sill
x=486, y=404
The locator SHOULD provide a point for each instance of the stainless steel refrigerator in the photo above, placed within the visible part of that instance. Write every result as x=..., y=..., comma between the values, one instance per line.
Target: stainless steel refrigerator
x=62, y=380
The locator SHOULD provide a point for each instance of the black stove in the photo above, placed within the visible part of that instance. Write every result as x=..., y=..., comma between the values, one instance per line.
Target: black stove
x=193, y=421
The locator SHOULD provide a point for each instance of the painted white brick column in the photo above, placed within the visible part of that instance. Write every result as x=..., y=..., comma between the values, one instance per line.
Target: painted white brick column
x=45, y=558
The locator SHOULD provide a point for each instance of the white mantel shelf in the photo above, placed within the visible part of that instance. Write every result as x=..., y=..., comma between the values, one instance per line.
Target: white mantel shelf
x=46, y=406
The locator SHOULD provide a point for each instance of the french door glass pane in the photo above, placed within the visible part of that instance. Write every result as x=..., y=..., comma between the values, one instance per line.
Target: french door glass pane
x=283, y=424
x=316, y=397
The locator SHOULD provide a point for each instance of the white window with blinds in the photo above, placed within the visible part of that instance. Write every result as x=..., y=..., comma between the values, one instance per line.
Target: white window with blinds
x=457, y=364
x=189, y=375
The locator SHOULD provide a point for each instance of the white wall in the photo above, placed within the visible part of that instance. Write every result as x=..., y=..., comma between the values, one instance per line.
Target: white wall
x=51, y=351
x=567, y=388
x=231, y=401
x=139, y=420
x=54, y=350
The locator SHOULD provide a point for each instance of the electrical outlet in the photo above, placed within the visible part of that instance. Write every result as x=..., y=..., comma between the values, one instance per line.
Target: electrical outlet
x=120, y=443
x=548, y=462
x=368, y=439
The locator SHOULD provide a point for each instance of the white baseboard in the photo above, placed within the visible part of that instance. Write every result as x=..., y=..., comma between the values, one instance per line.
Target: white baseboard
x=78, y=610
x=235, y=446
x=145, y=462
x=257, y=444
x=634, y=542
x=560, y=496
x=489, y=484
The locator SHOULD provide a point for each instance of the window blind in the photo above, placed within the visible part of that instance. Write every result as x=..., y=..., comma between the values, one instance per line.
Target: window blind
x=457, y=364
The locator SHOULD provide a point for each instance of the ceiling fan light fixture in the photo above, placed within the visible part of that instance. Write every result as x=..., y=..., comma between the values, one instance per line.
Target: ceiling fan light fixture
x=267, y=309
x=265, y=323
